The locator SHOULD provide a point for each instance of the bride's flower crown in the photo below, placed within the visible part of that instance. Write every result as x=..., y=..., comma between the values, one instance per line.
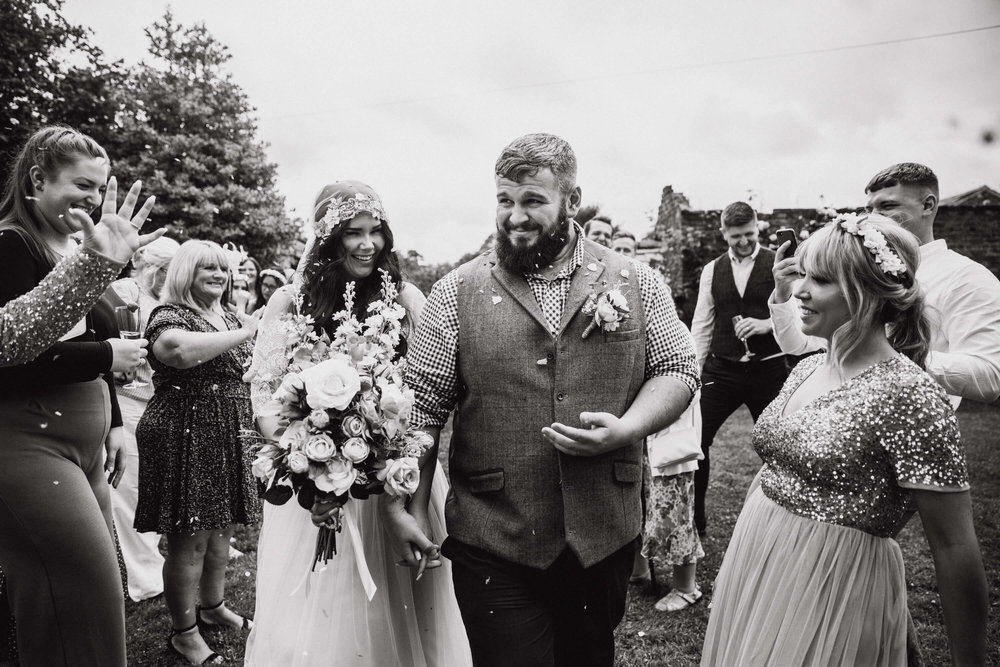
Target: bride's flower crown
x=874, y=241
x=345, y=209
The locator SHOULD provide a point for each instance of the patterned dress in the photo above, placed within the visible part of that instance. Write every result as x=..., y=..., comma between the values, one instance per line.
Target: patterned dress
x=194, y=470
x=812, y=575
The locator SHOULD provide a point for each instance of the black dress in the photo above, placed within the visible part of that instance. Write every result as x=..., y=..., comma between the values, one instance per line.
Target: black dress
x=194, y=469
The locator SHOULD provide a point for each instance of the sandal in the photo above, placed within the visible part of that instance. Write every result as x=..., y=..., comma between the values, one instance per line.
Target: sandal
x=212, y=659
x=676, y=600
x=202, y=623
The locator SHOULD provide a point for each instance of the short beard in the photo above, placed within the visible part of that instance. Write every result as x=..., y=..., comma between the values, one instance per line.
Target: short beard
x=532, y=258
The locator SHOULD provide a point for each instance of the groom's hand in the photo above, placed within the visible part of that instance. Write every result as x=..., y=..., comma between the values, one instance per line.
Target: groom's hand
x=602, y=432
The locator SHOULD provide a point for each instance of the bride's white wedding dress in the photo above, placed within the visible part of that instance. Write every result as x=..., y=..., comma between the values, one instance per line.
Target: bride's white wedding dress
x=325, y=617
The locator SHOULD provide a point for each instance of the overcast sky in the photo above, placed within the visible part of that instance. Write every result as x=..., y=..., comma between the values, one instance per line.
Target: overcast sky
x=418, y=98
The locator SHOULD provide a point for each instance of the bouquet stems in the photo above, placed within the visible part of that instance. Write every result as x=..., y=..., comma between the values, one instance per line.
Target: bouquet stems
x=326, y=538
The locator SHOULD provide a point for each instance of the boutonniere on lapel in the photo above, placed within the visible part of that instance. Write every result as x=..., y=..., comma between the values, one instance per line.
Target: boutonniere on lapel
x=607, y=309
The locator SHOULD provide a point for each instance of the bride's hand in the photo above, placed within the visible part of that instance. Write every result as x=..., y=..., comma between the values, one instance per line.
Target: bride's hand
x=408, y=534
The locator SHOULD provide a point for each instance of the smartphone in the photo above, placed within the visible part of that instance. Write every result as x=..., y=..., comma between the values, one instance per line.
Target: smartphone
x=787, y=234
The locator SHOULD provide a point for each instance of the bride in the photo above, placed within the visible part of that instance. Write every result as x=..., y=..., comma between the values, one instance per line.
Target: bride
x=330, y=616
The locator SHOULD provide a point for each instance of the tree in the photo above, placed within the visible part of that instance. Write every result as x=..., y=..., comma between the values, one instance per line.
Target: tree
x=49, y=73
x=187, y=130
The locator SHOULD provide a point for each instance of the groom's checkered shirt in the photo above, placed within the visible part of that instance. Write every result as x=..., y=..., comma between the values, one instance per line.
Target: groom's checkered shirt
x=431, y=361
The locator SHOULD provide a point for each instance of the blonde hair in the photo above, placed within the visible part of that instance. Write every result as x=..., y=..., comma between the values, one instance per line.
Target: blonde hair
x=151, y=262
x=189, y=257
x=873, y=296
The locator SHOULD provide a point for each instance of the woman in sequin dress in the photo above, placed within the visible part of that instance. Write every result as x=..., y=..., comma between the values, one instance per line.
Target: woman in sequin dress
x=812, y=576
x=194, y=469
x=306, y=618
x=59, y=437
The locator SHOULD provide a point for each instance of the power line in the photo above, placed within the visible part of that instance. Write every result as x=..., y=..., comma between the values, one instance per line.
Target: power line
x=661, y=70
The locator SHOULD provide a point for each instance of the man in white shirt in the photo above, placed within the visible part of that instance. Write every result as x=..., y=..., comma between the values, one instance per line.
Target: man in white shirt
x=962, y=296
x=742, y=364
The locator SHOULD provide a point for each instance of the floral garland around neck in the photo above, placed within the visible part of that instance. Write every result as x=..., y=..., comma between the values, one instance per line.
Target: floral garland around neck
x=887, y=259
x=607, y=309
x=341, y=210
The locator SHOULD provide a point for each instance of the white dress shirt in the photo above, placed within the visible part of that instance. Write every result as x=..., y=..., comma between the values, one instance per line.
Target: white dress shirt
x=962, y=299
x=704, y=309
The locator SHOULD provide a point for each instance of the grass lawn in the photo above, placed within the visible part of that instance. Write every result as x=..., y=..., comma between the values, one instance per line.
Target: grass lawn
x=646, y=637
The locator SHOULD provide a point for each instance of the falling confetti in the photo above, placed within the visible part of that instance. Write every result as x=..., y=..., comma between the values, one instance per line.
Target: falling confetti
x=497, y=299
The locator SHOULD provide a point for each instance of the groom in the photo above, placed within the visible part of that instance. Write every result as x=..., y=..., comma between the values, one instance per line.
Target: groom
x=546, y=462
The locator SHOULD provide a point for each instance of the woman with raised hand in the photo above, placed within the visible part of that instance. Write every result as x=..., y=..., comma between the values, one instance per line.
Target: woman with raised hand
x=57, y=412
x=812, y=575
x=33, y=321
x=325, y=617
x=194, y=469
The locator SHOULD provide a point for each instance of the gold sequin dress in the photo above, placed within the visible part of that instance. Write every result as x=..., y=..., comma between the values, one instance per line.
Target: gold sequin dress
x=811, y=575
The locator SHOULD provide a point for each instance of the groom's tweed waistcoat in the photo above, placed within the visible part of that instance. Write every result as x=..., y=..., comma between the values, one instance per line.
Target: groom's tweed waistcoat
x=513, y=494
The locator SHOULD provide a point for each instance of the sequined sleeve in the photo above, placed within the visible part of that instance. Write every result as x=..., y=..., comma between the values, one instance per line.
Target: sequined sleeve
x=269, y=361
x=31, y=323
x=922, y=439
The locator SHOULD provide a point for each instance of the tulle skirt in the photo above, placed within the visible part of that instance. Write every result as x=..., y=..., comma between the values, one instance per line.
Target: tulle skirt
x=325, y=618
x=793, y=591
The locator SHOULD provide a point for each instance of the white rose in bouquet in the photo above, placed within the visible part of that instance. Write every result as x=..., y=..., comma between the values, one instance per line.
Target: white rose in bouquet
x=356, y=450
x=263, y=468
x=295, y=436
x=320, y=447
x=298, y=462
x=395, y=404
x=319, y=418
x=331, y=384
x=338, y=477
x=401, y=476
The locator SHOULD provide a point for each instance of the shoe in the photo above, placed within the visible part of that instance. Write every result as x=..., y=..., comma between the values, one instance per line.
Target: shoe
x=676, y=600
x=204, y=625
x=213, y=658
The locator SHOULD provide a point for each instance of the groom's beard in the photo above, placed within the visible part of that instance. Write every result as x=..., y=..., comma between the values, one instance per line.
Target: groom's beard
x=532, y=258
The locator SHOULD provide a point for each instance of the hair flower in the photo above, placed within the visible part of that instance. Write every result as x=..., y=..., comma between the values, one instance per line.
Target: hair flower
x=874, y=241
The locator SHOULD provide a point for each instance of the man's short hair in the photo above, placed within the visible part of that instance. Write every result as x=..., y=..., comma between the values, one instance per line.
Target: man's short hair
x=738, y=214
x=904, y=173
x=622, y=234
x=526, y=155
x=598, y=218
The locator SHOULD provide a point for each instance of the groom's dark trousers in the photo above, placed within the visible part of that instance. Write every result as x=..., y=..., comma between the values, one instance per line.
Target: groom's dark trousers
x=563, y=615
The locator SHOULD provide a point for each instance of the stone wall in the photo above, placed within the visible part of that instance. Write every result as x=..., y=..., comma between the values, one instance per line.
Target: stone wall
x=973, y=231
x=690, y=239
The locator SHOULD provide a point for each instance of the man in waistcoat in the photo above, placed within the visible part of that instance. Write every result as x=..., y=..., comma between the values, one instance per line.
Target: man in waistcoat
x=543, y=516
x=741, y=362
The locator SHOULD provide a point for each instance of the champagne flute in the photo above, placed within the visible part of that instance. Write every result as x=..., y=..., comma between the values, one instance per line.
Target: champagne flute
x=748, y=355
x=127, y=318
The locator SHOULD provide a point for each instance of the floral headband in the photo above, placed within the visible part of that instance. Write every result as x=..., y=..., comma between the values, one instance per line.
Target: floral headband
x=274, y=274
x=887, y=259
x=341, y=210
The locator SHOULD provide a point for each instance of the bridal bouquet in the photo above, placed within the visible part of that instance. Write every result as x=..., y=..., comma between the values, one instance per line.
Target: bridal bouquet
x=344, y=414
